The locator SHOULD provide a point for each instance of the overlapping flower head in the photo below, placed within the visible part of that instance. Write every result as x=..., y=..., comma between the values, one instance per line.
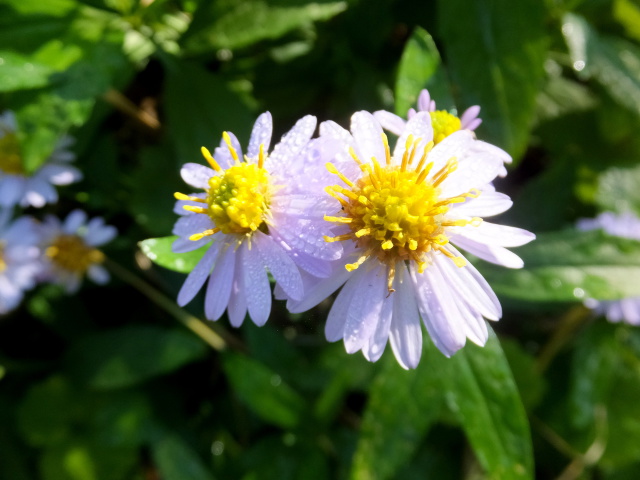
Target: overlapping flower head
x=443, y=122
x=70, y=249
x=398, y=217
x=19, y=187
x=625, y=225
x=259, y=212
x=19, y=258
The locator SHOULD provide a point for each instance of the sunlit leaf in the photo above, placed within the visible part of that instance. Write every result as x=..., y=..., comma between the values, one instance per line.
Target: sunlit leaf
x=495, y=59
x=618, y=190
x=571, y=266
x=159, y=251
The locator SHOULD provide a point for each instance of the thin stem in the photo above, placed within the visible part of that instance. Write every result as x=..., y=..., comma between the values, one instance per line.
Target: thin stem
x=568, y=324
x=218, y=340
x=126, y=106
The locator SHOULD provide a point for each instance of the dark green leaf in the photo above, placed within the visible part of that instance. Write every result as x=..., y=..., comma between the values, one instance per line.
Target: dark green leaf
x=495, y=58
x=126, y=356
x=176, y=460
x=484, y=396
x=263, y=391
x=571, y=266
x=159, y=251
x=618, y=190
x=239, y=24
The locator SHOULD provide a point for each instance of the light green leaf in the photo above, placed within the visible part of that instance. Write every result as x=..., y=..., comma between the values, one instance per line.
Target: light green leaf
x=571, y=266
x=239, y=24
x=495, y=56
x=419, y=64
x=263, y=391
x=126, y=356
x=402, y=407
x=613, y=62
x=18, y=72
x=618, y=190
x=159, y=252
x=176, y=460
x=484, y=396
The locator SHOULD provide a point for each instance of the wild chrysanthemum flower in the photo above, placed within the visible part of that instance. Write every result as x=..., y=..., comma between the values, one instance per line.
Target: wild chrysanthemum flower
x=70, y=249
x=262, y=214
x=398, y=217
x=17, y=186
x=19, y=258
x=625, y=225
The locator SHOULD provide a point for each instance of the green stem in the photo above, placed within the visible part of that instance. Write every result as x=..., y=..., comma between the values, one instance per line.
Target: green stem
x=215, y=337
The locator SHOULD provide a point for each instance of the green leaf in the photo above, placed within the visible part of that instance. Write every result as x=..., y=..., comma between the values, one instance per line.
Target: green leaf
x=495, y=56
x=613, y=62
x=402, y=407
x=263, y=391
x=18, y=72
x=176, y=460
x=129, y=355
x=618, y=190
x=571, y=266
x=159, y=252
x=239, y=24
x=199, y=107
x=482, y=393
x=420, y=66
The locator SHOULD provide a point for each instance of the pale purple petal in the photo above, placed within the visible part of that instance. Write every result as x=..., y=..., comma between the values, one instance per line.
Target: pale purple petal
x=280, y=265
x=38, y=193
x=191, y=224
x=390, y=121
x=261, y=134
x=378, y=341
x=419, y=127
x=473, y=124
x=367, y=133
x=59, y=174
x=494, y=234
x=74, y=221
x=12, y=189
x=336, y=320
x=237, y=308
x=98, y=274
x=256, y=284
x=284, y=153
x=490, y=253
x=179, y=205
x=197, y=175
x=469, y=115
x=195, y=280
x=318, y=289
x=486, y=205
x=405, y=334
x=220, y=283
x=222, y=154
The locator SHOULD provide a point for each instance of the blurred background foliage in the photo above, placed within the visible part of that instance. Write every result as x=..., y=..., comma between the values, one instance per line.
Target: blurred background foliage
x=107, y=385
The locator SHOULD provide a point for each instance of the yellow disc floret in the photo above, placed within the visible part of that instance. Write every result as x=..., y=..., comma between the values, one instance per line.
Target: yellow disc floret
x=69, y=252
x=444, y=124
x=10, y=158
x=237, y=198
x=394, y=213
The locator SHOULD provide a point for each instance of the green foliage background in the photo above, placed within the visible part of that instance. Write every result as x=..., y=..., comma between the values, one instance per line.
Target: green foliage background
x=115, y=384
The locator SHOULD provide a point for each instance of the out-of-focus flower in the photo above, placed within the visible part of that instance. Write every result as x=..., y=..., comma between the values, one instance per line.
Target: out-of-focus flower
x=398, y=217
x=19, y=258
x=18, y=187
x=625, y=225
x=263, y=213
x=443, y=123
x=70, y=249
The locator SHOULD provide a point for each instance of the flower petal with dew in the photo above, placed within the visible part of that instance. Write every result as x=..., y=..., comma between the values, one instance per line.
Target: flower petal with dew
x=444, y=123
x=625, y=225
x=20, y=262
x=397, y=215
x=261, y=213
x=70, y=249
x=19, y=187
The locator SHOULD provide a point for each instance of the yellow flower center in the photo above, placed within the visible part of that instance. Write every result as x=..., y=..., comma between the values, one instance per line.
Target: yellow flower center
x=10, y=158
x=69, y=252
x=394, y=213
x=237, y=198
x=444, y=124
x=3, y=262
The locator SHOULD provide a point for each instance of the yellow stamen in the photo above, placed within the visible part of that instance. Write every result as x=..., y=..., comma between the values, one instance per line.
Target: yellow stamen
x=332, y=169
x=194, y=209
x=209, y=158
x=338, y=219
x=232, y=151
x=182, y=196
x=198, y=236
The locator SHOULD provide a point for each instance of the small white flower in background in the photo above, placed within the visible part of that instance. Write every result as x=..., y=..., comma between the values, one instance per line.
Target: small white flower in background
x=625, y=225
x=263, y=213
x=70, y=249
x=18, y=187
x=398, y=217
x=19, y=258
x=443, y=123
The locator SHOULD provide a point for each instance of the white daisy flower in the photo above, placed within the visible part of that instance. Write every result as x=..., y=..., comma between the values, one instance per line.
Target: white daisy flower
x=398, y=217
x=625, y=225
x=19, y=258
x=263, y=213
x=444, y=123
x=70, y=249
x=18, y=187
